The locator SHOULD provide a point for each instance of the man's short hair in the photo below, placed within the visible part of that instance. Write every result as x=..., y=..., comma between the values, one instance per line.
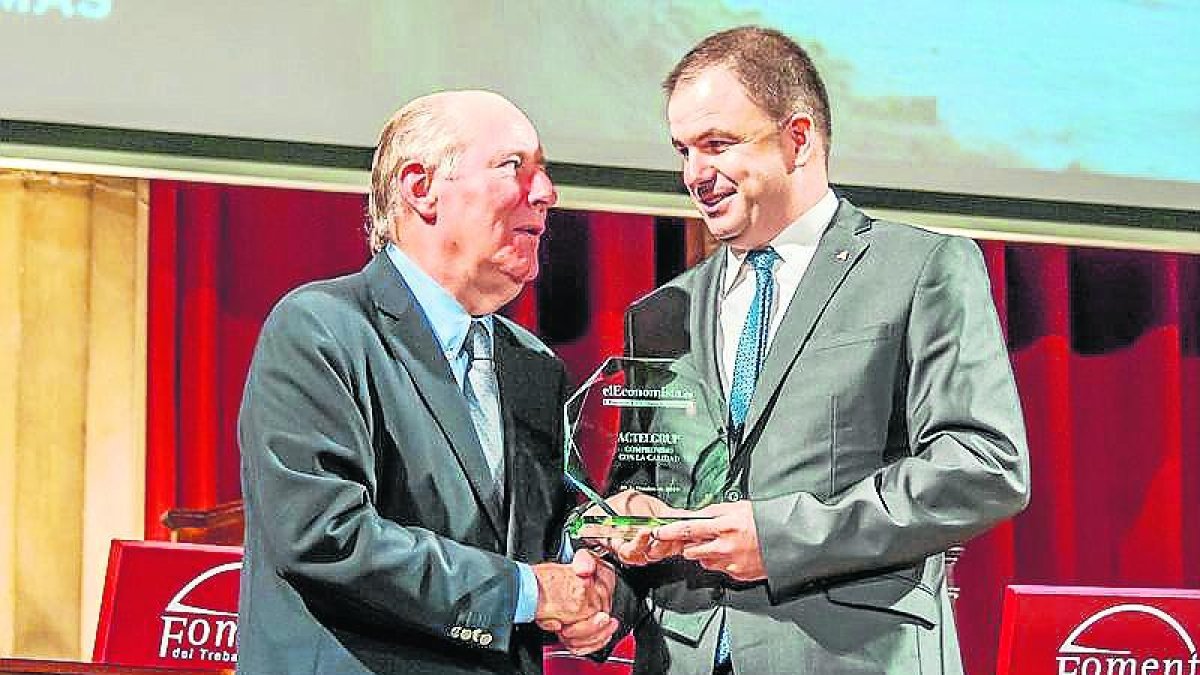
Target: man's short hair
x=777, y=74
x=422, y=131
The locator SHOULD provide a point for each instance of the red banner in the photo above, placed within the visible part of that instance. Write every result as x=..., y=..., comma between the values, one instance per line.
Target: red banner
x=170, y=605
x=1099, y=631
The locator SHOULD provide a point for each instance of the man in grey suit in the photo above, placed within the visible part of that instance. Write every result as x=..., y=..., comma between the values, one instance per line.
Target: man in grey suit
x=401, y=461
x=870, y=410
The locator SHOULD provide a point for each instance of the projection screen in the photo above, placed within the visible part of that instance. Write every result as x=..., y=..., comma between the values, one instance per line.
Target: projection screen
x=1094, y=102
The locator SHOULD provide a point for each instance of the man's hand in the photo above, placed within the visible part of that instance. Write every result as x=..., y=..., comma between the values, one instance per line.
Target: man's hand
x=726, y=542
x=591, y=634
x=574, y=593
x=643, y=548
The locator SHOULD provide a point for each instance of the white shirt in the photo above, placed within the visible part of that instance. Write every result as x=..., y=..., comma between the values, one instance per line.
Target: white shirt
x=795, y=245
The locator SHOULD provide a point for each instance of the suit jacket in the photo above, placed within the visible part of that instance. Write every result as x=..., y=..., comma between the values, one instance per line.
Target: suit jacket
x=374, y=542
x=884, y=428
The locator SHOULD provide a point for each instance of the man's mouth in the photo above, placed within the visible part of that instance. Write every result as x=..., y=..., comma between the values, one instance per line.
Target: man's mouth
x=533, y=230
x=709, y=198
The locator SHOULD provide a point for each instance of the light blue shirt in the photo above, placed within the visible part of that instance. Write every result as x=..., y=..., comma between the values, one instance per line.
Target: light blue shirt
x=450, y=323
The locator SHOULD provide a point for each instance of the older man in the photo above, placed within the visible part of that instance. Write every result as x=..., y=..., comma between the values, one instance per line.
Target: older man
x=868, y=402
x=400, y=442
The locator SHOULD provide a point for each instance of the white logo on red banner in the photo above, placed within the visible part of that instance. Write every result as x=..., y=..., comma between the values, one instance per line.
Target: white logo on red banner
x=192, y=630
x=1166, y=647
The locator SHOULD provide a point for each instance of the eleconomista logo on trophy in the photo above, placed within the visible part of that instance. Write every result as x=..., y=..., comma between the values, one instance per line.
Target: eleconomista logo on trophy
x=1172, y=652
x=192, y=631
x=648, y=425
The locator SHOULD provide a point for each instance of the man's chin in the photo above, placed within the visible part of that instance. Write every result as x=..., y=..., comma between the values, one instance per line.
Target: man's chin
x=512, y=280
x=724, y=228
x=520, y=266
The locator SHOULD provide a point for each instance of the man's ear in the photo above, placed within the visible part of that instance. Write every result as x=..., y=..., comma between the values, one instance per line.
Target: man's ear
x=415, y=187
x=801, y=130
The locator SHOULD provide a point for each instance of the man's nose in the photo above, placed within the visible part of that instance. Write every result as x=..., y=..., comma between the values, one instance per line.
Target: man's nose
x=541, y=190
x=697, y=167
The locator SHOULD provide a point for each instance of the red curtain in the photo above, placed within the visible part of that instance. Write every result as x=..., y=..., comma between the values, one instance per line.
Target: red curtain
x=1104, y=344
x=1106, y=349
x=220, y=257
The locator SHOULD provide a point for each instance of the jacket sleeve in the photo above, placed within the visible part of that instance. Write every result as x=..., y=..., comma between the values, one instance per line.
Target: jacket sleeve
x=308, y=431
x=967, y=466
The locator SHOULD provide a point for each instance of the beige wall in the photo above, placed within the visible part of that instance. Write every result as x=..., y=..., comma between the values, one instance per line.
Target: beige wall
x=72, y=400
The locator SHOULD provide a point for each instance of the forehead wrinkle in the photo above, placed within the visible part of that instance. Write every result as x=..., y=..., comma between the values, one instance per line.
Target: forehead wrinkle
x=520, y=138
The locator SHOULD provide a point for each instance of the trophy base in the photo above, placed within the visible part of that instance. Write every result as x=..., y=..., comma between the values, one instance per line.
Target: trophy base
x=618, y=527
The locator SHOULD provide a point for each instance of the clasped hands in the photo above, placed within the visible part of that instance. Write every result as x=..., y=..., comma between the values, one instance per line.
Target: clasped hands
x=721, y=538
x=575, y=601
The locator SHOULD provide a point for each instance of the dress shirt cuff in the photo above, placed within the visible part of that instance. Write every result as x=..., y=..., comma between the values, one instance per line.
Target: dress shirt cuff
x=527, y=594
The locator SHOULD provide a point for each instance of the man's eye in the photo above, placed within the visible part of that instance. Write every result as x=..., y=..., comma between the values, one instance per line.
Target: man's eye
x=514, y=162
x=717, y=146
x=682, y=150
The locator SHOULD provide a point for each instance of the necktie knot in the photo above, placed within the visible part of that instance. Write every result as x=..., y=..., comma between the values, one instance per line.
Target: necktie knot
x=762, y=260
x=478, y=345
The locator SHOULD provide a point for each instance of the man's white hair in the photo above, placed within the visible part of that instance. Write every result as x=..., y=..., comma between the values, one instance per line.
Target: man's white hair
x=422, y=131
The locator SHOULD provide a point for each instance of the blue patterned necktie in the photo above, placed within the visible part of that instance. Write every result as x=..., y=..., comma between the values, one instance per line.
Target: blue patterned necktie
x=483, y=398
x=752, y=345
x=711, y=470
x=751, y=352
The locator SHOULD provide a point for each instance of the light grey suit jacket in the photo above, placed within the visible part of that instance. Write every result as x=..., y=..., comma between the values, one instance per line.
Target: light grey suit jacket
x=884, y=428
x=374, y=540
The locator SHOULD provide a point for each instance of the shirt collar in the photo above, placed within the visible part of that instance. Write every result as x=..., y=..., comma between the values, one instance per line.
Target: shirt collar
x=446, y=316
x=805, y=231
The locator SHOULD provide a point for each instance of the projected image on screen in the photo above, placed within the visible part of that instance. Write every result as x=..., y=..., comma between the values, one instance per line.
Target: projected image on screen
x=1095, y=101
x=85, y=10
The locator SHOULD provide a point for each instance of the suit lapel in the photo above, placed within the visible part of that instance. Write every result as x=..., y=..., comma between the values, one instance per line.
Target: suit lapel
x=703, y=317
x=526, y=386
x=411, y=340
x=836, y=254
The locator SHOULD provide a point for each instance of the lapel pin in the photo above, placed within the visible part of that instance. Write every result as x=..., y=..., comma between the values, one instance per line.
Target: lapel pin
x=842, y=256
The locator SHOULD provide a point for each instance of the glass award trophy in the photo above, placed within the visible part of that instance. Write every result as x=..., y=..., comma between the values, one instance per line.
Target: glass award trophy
x=645, y=425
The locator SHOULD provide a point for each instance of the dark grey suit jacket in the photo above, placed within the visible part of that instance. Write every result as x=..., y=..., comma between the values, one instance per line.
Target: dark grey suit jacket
x=373, y=541
x=884, y=428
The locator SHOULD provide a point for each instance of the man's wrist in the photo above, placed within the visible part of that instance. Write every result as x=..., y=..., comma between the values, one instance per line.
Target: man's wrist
x=527, y=594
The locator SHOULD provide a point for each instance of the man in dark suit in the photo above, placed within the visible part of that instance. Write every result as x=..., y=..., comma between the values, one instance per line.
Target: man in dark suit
x=869, y=406
x=401, y=450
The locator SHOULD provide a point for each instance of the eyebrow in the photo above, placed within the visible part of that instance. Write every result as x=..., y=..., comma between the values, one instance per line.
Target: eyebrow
x=538, y=156
x=706, y=134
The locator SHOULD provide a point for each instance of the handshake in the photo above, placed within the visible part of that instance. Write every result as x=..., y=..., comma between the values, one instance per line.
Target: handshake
x=575, y=601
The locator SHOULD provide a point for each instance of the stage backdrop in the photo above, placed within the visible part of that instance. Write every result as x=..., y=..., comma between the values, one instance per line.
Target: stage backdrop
x=1104, y=344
